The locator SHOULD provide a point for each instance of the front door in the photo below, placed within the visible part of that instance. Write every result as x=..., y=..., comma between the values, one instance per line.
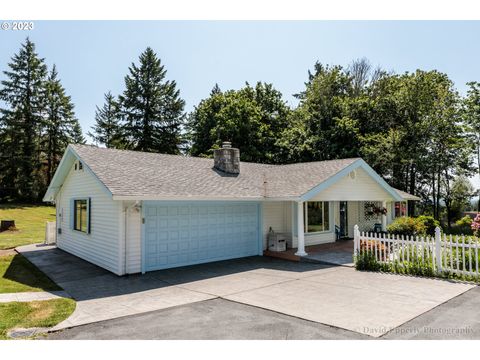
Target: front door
x=343, y=219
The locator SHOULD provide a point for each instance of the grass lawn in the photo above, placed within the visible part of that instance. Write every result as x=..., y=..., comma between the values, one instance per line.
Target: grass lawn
x=30, y=222
x=17, y=274
x=33, y=314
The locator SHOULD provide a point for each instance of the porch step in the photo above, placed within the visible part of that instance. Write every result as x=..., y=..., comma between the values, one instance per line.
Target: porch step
x=328, y=260
x=285, y=255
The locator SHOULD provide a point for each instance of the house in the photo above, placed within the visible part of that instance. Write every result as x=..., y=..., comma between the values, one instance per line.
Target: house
x=132, y=212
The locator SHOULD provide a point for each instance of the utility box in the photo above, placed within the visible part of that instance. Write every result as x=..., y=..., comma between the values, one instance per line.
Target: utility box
x=51, y=232
x=276, y=241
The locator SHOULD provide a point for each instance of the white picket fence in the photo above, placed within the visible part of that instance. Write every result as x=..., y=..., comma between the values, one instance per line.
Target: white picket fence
x=445, y=253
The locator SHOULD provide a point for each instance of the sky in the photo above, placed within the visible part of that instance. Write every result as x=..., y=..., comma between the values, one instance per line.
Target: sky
x=92, y=57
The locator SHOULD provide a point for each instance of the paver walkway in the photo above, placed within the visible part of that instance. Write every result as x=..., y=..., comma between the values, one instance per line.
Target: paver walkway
x=32, y=296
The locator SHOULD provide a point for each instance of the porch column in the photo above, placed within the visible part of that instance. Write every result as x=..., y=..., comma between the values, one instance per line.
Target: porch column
x=384, y=217
x=300, y=231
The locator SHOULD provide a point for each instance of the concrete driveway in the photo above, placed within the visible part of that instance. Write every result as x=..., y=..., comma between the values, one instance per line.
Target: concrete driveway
x=367, y=303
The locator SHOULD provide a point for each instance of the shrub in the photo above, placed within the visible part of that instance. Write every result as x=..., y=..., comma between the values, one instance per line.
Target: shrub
x=407, y=226
x=430, y=224
x=476, y=225
x=463, y=226
x=366, y=261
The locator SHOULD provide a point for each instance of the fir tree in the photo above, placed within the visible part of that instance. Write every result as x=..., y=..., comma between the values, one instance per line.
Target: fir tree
x=152, y=107
x=23, y=94
x=60, y=125
x=107, y=129
x=77, y=134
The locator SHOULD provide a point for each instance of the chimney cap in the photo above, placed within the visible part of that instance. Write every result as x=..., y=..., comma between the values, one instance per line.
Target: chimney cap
x=226, y=145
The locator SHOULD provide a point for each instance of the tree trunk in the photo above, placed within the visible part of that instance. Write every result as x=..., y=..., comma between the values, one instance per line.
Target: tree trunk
x=434, y=197
x=411, y=204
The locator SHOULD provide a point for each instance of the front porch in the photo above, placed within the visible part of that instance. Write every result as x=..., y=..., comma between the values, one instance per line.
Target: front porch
x=328, y=212
x=307, y=224
x=336, y=253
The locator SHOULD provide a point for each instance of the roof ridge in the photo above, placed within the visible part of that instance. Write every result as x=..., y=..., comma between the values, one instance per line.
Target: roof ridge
x=204, y=158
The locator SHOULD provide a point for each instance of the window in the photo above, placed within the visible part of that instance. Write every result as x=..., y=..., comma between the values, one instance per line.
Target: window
x=81, y=215
x=400, y=209
x=316, y=215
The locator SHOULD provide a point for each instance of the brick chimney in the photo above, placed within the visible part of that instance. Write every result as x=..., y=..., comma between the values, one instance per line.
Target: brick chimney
x=227, y=159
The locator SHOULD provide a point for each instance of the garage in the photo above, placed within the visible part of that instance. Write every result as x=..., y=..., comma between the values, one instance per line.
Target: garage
x=178, y=234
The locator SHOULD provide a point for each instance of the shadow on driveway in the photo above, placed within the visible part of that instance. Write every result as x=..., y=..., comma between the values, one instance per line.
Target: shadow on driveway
x=85, y=281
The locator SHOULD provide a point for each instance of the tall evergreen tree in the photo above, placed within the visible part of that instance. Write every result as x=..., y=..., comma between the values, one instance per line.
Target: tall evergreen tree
x=60, y=125
x=107, y=129
x=77, y=134
x=152, y=107
x=23, y=93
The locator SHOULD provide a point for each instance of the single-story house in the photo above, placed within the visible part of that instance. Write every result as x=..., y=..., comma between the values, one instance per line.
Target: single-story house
x=131, y=212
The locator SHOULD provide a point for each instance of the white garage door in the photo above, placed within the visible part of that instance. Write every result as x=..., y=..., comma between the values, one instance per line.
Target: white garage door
x=178, y=234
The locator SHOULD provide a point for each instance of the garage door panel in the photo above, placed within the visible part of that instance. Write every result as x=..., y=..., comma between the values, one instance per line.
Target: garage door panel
x=177, y=235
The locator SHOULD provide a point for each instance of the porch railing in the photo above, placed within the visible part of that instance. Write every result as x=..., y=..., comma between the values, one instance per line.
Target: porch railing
x=443, y=253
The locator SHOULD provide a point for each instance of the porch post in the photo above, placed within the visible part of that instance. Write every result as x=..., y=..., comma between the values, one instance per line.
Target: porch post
x=300, y=231
x=384, y=217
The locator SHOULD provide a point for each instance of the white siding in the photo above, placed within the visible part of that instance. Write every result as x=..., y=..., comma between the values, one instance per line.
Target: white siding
x=276, y=216
x=362, y=187
x=316, y=239
x=353, y=216
x=103, y=245
x=134, y=242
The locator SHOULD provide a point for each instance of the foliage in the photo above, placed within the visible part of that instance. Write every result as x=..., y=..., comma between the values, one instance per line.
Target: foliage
x=366, y=260
x=407, y=226
x=373, y=210
x=409, y=259
x=45, y=313
x=463, y=226
x=30, y=222
x=476, y=225
x=36, y=124
x=151, y=107
x=60, y=125
x=430, y=224
x=17, y=274
x=471, y=117
x=23, y=93
x=252, y=118
x=108, y=128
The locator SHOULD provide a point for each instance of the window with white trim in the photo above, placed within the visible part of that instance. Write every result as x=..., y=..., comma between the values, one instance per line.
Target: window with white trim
x=316, y=215
x=81, y=215
x=400, y=209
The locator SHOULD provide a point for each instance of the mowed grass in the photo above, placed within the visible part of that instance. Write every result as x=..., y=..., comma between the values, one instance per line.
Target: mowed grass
x=33, y=314
x=17, y=274
x=30, y=223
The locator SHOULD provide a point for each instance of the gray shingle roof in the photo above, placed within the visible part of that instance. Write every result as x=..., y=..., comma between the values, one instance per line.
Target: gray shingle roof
x=406, y=195
x=151, y=175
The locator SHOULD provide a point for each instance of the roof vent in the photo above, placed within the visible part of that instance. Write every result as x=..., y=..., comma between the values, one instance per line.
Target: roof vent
x=227, y=159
